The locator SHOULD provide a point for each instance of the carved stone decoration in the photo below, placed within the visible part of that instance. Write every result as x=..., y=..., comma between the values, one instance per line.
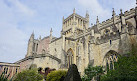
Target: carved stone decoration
x=114, y=28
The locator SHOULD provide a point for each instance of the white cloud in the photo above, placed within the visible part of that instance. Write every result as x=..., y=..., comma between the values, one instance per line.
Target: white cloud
x=103, y=8
x=17, y=6
x=17, y=22
x=119, y=4
x=13, y=41
x=95, y=9
x=12, y=44
x=93, y=5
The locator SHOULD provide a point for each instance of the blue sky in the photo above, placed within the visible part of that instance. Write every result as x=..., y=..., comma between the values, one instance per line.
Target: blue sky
x=19, y=18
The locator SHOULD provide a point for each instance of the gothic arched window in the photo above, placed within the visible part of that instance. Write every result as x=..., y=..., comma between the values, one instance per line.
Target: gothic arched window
x=110, y=42
x=111, y=58
x=111, y=65
x=70, y=57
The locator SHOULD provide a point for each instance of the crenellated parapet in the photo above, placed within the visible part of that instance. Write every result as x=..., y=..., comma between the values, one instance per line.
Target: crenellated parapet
x=129, y=13
x=109, y=22
x=108, y=38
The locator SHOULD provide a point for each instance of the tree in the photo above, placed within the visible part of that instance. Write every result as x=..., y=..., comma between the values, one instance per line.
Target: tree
x=28, y=75
x=91, y=72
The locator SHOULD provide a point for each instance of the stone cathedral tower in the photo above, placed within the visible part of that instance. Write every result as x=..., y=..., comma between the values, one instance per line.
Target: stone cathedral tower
x=74, y=24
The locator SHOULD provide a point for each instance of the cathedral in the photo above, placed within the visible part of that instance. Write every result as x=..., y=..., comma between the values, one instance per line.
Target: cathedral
x=80, y=44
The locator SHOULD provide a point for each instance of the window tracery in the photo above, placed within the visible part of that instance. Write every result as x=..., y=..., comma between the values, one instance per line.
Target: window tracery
x=111, y=58
x=70, y=57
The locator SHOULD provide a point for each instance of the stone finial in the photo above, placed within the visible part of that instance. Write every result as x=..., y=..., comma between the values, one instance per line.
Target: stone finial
x=74, y=10
x=97, y=21
x=86, y=11
x=51, y=35
x=32, y=33
x=113, y=16
x=87, y=14
x=121, y=12
x=113, y=12
x=51, y=31
x=40, y=37
x=32, y=36
x=63, y=18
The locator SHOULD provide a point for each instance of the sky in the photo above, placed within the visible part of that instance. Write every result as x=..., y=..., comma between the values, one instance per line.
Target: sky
x=19, y=18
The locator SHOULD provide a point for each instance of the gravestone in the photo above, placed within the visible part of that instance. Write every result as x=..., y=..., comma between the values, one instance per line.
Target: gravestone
x=72, y=74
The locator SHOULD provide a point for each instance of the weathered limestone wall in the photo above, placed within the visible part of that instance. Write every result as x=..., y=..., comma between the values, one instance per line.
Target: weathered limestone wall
x=56, y=48
x=103, y=49
x=46, y=62
x=43, y=45
x=25, y=64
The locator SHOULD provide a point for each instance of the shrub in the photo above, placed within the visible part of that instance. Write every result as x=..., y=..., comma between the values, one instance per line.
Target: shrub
x=28, y=75
x=85, y=78
x=56, y=75
x=91, y=72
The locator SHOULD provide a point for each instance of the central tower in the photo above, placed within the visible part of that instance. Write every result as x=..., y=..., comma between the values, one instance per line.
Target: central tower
x=74, y=24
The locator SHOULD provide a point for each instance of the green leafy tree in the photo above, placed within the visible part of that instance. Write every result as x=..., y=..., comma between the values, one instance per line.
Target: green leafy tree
x=56, y=75
x=85, y=78
x=91, y=72
x=125, y=68
x=28, y=75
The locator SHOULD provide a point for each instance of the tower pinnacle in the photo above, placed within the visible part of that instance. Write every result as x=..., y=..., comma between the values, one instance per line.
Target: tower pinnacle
x=51, y=35
x=74, y=10
x=63, y=18
x=32, y=33
x=121, y=12
x=113, y=12
x=31, y=37
x=40, y=37
x=51, y=31
x=87, y=14
x=97, y=21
